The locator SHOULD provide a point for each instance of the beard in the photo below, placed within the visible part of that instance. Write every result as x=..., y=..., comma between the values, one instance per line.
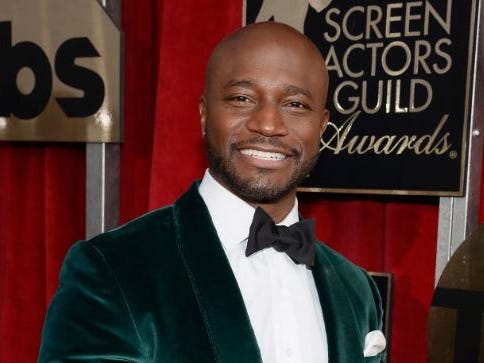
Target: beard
x=257, y=189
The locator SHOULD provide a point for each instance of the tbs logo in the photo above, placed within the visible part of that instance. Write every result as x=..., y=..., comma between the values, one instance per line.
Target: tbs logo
x=15, y=57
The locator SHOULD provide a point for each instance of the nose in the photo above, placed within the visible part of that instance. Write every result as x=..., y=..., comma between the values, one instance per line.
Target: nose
x=267, y=120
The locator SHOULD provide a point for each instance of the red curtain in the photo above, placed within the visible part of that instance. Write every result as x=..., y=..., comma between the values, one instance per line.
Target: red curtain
x=41, y=213
x=43, y=185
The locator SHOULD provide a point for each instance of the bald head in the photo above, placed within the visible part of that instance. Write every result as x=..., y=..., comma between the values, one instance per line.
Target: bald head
x=267, y=40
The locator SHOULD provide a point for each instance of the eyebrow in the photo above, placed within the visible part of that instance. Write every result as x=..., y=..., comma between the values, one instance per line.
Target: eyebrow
x=239, y=83
x=294, y=90
x=245, y=83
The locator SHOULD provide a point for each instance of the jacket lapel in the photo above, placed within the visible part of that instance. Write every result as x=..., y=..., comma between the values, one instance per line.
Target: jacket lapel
x=339, y=317
x=213, y=282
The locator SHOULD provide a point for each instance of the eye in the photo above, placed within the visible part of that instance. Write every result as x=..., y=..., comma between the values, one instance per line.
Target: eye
x=299, y=105
x=240, y=99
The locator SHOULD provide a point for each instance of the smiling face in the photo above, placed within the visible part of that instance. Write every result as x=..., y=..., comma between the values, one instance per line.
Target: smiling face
x=263, y=111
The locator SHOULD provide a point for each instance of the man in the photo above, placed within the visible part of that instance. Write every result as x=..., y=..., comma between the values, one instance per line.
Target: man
x=200, y=281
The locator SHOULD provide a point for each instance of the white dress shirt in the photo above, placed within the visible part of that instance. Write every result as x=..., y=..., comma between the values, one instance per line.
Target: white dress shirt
x=280, y=296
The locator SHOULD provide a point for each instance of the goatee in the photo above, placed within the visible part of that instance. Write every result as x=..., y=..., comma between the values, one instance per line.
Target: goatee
x=255, y=189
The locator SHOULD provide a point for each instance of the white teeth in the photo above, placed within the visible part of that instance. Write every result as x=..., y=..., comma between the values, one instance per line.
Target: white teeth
x=264, y=155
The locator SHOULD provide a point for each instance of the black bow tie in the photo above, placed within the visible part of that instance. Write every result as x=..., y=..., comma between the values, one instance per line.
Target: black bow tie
x=296, y=240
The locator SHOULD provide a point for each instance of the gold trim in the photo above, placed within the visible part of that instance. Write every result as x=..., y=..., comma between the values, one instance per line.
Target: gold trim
x=382, y=191
x=384, y=274
x=244, y=12
x=470, y=87
x=471, y=84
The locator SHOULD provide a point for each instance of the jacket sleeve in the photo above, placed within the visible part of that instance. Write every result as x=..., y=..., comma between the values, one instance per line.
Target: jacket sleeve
x=89, y=319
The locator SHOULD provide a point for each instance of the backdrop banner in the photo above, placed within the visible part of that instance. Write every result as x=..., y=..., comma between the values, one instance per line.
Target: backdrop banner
x=60, y=82
x=401, y=77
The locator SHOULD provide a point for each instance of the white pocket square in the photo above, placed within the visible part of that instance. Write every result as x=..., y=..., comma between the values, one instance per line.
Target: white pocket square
x=374, y=343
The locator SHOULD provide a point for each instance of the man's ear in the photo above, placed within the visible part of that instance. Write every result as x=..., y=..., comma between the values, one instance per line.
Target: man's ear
x=324, y=122
x=202, y=109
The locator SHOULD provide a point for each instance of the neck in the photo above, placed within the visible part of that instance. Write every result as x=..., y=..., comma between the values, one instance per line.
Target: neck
x=277, y=210
x=280, y=209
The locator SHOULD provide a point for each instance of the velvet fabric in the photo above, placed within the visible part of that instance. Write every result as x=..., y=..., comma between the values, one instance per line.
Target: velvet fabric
x=160, y=289
x=42, y=186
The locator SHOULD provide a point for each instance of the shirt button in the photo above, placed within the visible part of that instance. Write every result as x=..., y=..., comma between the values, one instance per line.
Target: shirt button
x=289, y=352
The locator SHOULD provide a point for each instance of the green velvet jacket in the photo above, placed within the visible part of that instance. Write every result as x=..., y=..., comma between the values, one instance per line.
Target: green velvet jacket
x=160, y=289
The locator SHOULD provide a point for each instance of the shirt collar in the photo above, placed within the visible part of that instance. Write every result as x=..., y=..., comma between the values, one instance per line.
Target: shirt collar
x=231, y=215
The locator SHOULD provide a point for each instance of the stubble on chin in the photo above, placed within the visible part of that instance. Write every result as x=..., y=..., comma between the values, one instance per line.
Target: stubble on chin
x=257, y=189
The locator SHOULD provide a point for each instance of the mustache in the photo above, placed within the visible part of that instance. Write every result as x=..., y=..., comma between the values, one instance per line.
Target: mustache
x=264, y=140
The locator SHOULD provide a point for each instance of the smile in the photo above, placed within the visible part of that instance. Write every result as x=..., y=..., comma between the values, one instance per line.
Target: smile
x=263, y=155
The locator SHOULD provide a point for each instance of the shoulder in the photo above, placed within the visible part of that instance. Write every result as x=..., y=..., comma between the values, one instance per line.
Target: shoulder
x=160, y=218
x=151, y=228
x=135, y=244
x=142, y=231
